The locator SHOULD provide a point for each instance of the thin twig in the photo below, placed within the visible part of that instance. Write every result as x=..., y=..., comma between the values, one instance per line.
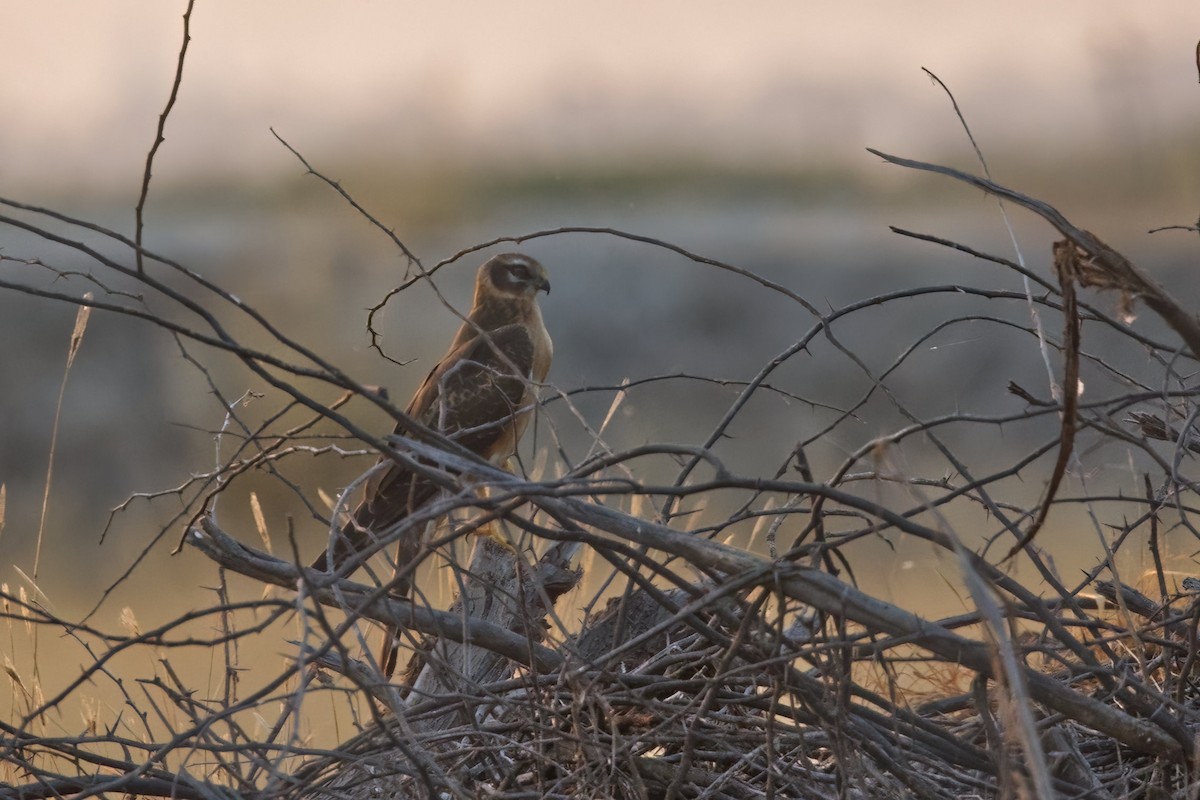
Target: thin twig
x=158, y=135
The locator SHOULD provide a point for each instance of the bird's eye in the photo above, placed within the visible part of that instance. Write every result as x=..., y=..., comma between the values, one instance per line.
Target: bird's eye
x=520, y=272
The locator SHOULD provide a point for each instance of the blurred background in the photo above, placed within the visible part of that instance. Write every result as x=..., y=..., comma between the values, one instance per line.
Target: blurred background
x=738, y=134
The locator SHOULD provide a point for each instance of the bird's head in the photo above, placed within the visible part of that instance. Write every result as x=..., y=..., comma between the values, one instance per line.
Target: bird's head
x=514, y=275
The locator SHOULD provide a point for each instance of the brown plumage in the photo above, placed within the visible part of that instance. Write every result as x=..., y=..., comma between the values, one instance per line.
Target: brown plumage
x=480, y=394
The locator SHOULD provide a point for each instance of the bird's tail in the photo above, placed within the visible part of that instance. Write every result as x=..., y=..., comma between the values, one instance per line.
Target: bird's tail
x=389, y=651
x=352, y=538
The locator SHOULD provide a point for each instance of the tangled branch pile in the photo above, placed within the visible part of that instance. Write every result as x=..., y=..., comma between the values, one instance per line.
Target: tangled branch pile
x=703, y=670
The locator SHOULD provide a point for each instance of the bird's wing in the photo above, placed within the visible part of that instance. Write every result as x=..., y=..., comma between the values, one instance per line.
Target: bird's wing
x=472, y=396
x=474, y=393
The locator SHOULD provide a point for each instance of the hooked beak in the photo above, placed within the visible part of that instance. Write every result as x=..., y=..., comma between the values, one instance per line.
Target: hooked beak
x=543, y=284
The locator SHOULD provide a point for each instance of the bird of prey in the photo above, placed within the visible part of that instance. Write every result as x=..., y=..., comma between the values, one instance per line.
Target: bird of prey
x=480, y=395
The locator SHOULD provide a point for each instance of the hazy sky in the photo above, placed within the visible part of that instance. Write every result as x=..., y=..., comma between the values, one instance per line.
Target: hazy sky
x=84, y=81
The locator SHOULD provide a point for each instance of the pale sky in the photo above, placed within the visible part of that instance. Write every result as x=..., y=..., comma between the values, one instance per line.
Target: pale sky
x=84, y=81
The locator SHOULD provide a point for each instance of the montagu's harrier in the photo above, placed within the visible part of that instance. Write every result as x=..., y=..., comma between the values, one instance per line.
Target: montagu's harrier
x=480, y=395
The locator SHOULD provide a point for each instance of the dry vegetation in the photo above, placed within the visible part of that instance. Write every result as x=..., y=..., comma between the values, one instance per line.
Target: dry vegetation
x=701, y=669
